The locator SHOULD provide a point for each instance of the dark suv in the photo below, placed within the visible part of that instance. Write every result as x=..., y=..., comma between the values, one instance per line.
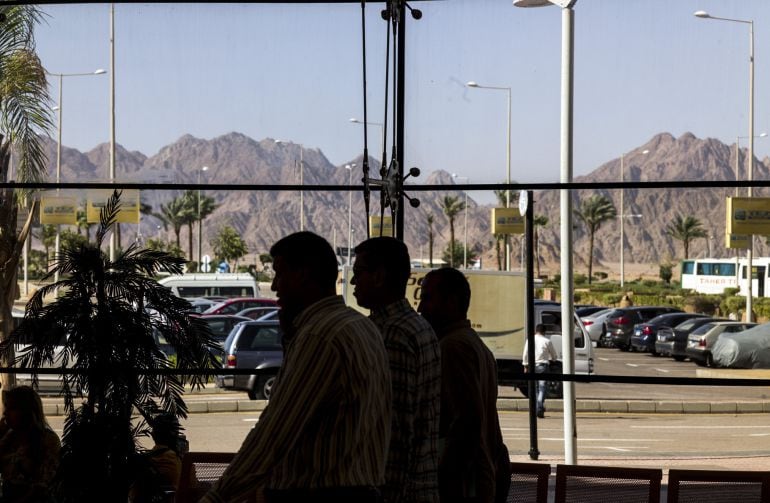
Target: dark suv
x=253, y=345
x=620, y=323
x=645, y=334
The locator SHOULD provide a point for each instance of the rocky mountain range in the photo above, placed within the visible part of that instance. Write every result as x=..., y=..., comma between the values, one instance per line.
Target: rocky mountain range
x=264, y=216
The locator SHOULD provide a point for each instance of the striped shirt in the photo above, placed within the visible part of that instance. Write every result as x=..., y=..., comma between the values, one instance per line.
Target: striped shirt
x=415, y=369
x=327, y=422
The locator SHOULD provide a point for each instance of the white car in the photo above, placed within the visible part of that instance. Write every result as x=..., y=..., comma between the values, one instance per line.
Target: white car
x=594, y=324
x=702, y=339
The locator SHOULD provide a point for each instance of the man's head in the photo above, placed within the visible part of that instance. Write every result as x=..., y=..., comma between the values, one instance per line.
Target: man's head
x=305, y=271
x=540, y=329
x=380, y=272
x=444, y=297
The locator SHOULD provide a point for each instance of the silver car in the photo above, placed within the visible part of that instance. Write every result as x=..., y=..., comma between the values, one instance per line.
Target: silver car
x=594, y=324
x=702, y=339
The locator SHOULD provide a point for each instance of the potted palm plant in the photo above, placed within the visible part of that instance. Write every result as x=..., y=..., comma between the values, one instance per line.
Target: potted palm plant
x=104, y=323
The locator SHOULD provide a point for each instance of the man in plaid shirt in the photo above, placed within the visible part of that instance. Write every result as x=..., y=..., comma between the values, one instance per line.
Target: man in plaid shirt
x=380, y=275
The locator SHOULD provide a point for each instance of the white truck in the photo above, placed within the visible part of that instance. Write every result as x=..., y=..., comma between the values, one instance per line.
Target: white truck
x=498, y=314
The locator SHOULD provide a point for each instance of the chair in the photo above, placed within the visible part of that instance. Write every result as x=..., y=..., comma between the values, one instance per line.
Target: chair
x=200, y=470
x=698, y=486
x=577, y=484
x=529, y=483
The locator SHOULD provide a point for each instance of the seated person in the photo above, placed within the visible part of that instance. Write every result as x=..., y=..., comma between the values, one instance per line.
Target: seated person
x=29, y=448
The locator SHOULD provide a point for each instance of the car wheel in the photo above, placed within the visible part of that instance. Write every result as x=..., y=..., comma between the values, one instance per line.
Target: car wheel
x=679, y=358
x=554, y=389
x=263, y=388
x=654, y=353
x=524, y=391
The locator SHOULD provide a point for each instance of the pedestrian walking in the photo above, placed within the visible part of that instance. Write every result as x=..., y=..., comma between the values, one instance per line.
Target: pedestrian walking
x=544, y=355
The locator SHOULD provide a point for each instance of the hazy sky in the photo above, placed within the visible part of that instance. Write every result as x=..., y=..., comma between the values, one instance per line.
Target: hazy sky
x=294, y=72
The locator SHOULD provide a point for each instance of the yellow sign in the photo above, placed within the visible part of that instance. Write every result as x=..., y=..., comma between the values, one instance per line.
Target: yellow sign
x=58, y=210
x=386, y=226
x=507, y=221
x=737, y=241
x=129, y=206
x=748, y=215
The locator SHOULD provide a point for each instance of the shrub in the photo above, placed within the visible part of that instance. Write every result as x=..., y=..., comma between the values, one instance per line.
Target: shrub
x=611, y=299
x=600, y=275
x=706, y=304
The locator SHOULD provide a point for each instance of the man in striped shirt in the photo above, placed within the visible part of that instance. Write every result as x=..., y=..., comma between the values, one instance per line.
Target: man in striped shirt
x=380, y=275
x=325, y=433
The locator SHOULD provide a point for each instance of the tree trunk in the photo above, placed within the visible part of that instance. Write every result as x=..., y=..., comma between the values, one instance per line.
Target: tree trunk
x=591, y=256
x=537, y=253
x=190, y=241
x=451, y=242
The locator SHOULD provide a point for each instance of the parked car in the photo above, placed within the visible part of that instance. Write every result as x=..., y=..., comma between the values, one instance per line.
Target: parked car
x=236, y=305
x=646, y=334
x=222, y=324
x=701, y=340
x=749, y=349
x=620, y=323
x=672, y=341
x=200, y=304
x=594, y=324
x=255, y=313
x=253, y=345
x=584, y=311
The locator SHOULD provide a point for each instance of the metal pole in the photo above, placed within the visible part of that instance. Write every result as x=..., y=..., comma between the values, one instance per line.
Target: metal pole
x=750, y=252
x=465, y=231
x=534, y=452
x=301, y=191
x=57, y=242
x=622, y=247
x=400, y=118
x=508, y=181
x=567, y=311
x=350, y=210
x=112, y=117
x=200, y=224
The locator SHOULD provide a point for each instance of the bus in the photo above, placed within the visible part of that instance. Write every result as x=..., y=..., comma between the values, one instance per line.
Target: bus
x=713, y=275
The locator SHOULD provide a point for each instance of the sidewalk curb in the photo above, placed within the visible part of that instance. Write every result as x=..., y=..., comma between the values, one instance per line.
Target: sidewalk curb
x=509, y=405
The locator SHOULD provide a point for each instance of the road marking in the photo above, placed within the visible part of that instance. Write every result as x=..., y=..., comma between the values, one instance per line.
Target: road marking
x=250, y=420
x=632, y=364
x=662, y=370
x=604, y=359
x=693, y=427
x=604, y=439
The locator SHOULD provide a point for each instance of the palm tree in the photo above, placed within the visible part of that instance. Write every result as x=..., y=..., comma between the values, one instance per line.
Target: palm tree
x=430, y=220
x=538, y=221
x=685, y=229
x=498, y=251
x=107, y=315
x=195, y=212
x=452, y=206
x=594, y=211
x=25, y=112
x=176, y=214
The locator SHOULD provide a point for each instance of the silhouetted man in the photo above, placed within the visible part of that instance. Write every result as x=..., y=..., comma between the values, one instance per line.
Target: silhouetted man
x=473, y=461
x=380, y=275
x=324, y=435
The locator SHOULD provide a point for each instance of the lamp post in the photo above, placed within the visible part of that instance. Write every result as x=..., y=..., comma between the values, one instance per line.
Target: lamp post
x=370, y=123
x=60, y=108
x=301, y=184
x=350, y=168
x=465, y=222
x=622, y=220
x=200, y=220
x=567, y=305
x=113, y=237
x=738, y=154
x=749, y=253
x=476, y=85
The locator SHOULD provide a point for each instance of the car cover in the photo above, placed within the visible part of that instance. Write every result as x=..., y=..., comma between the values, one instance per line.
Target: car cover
x=749, y=349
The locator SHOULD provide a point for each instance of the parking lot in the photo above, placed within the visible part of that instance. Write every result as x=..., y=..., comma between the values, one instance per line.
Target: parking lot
x=611, y=361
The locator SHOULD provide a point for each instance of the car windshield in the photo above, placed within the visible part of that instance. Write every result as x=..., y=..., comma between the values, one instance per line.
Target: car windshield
x=705, y=328
x=688, y=325
x=599, y=314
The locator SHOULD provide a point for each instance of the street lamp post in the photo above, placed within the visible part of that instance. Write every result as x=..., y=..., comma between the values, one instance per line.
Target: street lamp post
x=60, y=107
x=465, y=222
x=200, y=221
x=566, y=245
x=622, y=220
x=370, y=123
x=749, y=253
x=301, y=184
x=350, y=168
x=475, y=85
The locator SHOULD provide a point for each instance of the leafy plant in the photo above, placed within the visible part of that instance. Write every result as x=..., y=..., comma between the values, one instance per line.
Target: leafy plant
x=105, y=319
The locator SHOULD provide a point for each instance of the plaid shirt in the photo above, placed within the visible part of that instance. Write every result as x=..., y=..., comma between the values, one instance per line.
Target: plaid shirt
x=411, y=473
x=326, y=425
